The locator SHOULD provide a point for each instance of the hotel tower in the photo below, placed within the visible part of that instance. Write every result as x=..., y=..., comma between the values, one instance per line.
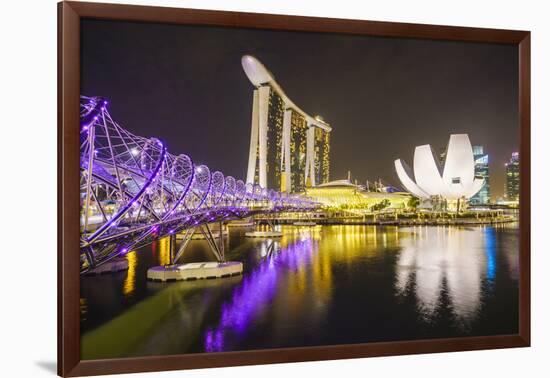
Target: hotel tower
x=289, y=149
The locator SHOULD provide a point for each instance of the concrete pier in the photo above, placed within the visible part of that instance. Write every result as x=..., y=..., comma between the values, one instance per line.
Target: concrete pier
x=115, y=265
x=195, y=271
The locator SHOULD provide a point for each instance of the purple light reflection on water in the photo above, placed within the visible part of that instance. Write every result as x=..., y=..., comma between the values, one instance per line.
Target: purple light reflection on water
x=255, y=294
x=214, y=341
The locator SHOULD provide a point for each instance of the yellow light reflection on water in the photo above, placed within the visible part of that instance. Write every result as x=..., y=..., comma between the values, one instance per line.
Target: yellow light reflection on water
x=164, y=251
x=322, y=277
x=83, y=308
x=130, y=282
x=307, y=290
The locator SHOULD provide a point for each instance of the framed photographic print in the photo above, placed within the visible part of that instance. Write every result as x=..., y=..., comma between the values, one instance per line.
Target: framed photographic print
x=239, y=188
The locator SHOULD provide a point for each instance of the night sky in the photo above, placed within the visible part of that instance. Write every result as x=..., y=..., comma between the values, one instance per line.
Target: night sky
x=382, y=96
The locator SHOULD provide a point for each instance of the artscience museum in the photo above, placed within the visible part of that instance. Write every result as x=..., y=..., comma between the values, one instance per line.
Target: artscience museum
x=452, y=181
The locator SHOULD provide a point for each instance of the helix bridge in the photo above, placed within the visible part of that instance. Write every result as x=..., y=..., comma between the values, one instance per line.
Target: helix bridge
x=133, y=191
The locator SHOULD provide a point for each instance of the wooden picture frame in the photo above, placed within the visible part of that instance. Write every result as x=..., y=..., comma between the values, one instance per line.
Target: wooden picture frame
x=69, y=17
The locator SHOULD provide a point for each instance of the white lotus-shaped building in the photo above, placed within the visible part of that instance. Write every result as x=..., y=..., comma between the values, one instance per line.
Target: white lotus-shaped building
x=455, y=180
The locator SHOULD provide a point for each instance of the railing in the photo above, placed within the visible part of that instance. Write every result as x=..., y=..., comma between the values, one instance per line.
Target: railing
x=133, y=191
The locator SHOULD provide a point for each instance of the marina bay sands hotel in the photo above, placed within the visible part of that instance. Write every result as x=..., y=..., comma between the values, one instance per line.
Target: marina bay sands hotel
x=289, y=149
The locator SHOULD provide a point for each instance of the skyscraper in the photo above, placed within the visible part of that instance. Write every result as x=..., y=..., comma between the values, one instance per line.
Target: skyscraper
x=289, y=149
x=322, y=153
x=512, y=178
x=275, y=114
x=481, y=170
x=296, y=176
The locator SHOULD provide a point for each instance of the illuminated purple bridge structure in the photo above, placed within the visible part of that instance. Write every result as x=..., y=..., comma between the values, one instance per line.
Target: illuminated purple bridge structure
x=133, y=191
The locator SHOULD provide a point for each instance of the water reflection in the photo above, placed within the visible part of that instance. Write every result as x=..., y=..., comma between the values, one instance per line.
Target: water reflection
x=163, y=250
x=281, y=273
x=447, y=263
x=314, y=286
x=130, y=280
x=490, y=252
x=164, y=323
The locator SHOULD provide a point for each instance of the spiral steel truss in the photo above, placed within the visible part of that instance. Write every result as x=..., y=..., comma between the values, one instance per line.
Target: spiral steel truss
x=133, y=191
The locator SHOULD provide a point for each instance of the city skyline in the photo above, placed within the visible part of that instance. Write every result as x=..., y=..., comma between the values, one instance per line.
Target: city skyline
x=360, y=85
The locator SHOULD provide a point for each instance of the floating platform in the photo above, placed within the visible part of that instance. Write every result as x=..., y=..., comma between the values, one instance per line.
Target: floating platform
x=263, y=234
x=112, y=266
x=194, y=271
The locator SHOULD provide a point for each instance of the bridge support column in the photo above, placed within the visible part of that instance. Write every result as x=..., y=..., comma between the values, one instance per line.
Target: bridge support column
x=270, y=233
x=172, y=248
x=199, y=270
x=114, y=265
x=186, y=238
x=89, y=253
x=221, y=245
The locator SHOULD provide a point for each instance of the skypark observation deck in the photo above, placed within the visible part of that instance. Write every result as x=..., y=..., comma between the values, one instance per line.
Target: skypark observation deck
x=133, y=191
x=259, y=75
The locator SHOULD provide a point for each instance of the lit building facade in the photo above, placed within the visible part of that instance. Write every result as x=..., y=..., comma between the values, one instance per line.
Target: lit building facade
x=296, y=176
x=481, y=170
x=275, y=114
x=322, y=156
x=289, y=149
x=344, y=195
x=453, y=182
x=512, y=178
